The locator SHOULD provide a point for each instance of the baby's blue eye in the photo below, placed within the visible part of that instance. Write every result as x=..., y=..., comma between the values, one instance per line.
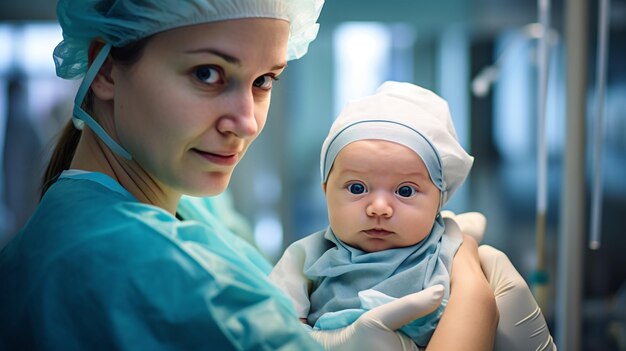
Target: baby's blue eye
x=356, y=188
x=208, y=74
x=406, y=191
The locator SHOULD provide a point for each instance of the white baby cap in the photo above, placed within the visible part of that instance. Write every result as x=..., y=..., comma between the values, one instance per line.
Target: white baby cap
x=408, y=115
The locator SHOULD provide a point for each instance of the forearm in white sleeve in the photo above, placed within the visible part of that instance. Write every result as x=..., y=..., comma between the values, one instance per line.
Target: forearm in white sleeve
x=288, y=275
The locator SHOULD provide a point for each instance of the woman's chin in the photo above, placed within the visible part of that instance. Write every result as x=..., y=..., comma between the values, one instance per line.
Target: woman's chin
x=208, y=186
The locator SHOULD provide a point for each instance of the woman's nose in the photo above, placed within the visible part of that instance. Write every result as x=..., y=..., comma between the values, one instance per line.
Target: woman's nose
x=379, y=206
x=239, y=118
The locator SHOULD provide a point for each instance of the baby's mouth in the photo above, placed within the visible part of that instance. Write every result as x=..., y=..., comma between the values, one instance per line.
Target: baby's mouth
x=377, y=232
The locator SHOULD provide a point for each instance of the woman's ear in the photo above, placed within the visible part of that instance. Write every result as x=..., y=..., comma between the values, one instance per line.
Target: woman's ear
x=102, y=85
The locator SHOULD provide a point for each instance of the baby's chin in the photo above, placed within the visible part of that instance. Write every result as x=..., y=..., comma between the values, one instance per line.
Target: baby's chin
x=375, y=245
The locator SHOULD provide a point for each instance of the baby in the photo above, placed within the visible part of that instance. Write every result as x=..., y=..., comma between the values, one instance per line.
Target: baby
x=388, y=165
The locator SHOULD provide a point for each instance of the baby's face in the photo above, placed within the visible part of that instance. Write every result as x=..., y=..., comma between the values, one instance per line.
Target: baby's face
x=380, y=196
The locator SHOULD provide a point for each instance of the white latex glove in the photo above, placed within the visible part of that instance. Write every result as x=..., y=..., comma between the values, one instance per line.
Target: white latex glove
x=521, y=326
x=375, y=329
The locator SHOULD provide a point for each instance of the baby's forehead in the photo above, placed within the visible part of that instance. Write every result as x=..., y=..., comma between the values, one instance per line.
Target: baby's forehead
x=379, y=155
x=380, y=144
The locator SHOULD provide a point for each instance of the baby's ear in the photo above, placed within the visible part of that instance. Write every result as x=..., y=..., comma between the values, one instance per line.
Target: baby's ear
x=324, y=187
x=102, y=85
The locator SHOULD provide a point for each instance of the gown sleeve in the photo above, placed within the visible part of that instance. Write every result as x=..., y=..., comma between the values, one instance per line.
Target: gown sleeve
x=178, y=287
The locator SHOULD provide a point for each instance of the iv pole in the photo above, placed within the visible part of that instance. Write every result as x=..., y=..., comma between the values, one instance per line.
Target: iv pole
x=539, y=279
x=598, y=125
x=571, y=219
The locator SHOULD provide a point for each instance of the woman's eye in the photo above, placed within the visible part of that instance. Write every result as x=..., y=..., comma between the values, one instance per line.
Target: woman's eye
x=208, y=74
x=406, y=191
x=356, y=188
x=264, y=82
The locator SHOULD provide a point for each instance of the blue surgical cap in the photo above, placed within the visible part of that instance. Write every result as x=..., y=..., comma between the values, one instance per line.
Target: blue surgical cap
x=121, y=22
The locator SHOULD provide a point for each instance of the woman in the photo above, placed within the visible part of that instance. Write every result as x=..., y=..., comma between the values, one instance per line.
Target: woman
x=175, y=93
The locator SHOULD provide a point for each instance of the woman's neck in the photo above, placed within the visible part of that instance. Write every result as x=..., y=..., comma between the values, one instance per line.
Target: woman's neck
x=93, y=155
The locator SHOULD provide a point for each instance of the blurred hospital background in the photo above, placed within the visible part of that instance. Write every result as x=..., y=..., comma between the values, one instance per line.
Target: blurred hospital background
x=485, y=58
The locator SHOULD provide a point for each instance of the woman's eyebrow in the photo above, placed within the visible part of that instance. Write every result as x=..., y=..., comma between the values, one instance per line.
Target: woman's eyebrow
x=279, y=67
x=226, y=57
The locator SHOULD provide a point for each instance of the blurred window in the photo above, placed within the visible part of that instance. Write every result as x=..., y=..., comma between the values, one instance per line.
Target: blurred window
x=368, y=53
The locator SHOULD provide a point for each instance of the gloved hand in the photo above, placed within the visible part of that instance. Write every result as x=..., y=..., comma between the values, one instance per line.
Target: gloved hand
x=375, y=329
x=521, y=325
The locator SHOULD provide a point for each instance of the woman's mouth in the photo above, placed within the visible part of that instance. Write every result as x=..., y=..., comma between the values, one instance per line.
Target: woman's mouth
x=222, y=159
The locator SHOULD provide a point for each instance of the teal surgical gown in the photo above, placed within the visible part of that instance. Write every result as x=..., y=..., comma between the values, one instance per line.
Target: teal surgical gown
x=96, y=269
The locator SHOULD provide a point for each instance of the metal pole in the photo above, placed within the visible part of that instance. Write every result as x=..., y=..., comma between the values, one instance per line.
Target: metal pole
x=539, y=280
x=572, y=224
x=598, y=132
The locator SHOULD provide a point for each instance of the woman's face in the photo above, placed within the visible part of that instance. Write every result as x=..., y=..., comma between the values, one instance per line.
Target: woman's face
x=380, y=196
x=190, y=107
